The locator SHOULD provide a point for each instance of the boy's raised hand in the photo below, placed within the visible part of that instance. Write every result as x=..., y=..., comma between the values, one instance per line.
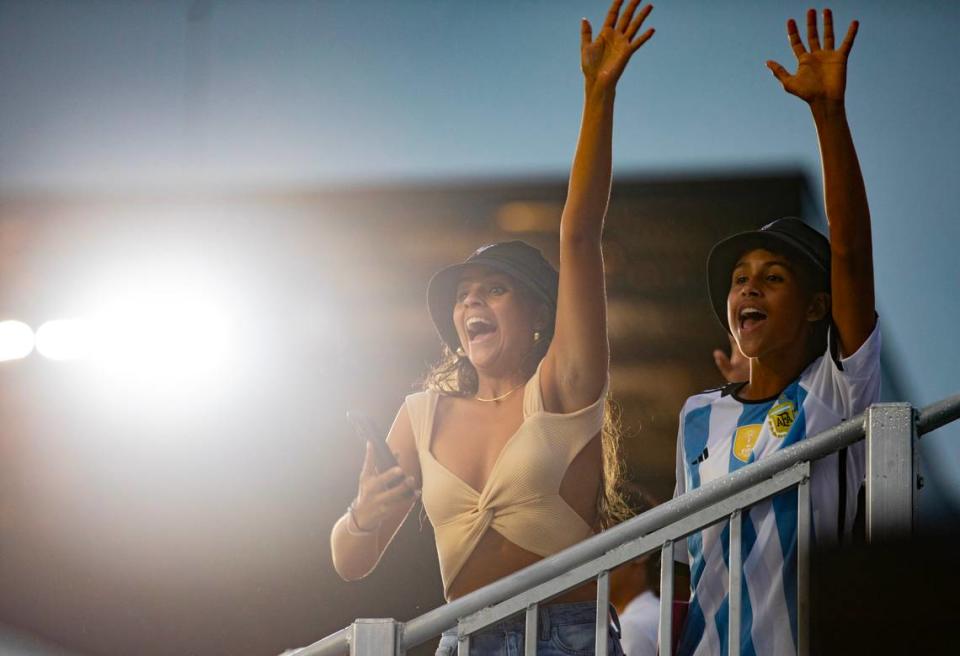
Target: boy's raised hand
x=734, y=368
x=604, y=59
x=822, y=71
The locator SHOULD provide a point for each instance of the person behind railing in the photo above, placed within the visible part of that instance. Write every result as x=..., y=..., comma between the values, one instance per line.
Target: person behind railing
x=801, y=308
x=635, y=588
x=506, y=441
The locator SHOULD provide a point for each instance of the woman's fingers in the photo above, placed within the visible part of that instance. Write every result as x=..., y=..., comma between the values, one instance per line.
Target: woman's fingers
x=638, y=21
x=848, y=39
x=388, y=479
x=813, y=37
x=796, y=44
x=402, y=492
x=611, y=18
x=627, y=15
x=586, y=33
x=643, y=39
x=369, y=467
x=827, y=29
x=383, y=502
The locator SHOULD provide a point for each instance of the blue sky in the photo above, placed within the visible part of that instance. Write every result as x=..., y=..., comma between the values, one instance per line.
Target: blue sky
x=108, y=95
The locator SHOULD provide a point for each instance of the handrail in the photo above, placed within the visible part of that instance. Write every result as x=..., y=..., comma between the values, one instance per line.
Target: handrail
x=938, y=414
x=439, y=619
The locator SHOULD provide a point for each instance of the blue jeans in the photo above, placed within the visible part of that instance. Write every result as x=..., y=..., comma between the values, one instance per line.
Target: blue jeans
x=563, y=630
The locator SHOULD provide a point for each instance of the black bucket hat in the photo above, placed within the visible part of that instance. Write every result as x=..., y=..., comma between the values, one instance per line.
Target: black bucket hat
x=789, y=235
x=517, y=259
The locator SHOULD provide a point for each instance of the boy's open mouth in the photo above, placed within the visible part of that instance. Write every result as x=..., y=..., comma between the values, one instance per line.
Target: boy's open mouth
x=750, y=317
x=478, y=327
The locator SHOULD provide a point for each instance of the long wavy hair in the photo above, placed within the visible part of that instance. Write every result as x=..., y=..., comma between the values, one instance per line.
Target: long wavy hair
x=455, y=375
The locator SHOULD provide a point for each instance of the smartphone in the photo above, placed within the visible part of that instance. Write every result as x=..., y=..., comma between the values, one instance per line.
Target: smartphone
x=366, y=429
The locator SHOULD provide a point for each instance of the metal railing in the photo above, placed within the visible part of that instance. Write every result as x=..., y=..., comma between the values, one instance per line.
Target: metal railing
x=891, y=431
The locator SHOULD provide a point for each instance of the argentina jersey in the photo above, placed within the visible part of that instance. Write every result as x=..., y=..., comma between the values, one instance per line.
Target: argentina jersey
x=718, y=434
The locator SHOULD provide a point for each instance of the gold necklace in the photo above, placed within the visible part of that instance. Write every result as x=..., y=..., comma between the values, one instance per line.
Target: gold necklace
x=501, y=397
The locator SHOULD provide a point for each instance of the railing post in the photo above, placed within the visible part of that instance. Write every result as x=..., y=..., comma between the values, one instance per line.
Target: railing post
x=804, y=520
x=603, y=614
x=891, y=471
x=665, y=630
x=735, y=587
x=377, y=637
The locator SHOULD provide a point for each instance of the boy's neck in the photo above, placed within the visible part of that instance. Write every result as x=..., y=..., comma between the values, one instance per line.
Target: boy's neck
x=772, y=373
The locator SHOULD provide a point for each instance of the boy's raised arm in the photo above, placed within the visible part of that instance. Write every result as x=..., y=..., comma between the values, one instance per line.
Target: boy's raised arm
x=820, y=80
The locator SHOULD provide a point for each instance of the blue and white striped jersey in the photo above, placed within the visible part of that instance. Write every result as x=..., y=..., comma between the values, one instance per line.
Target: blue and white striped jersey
x=719, y=433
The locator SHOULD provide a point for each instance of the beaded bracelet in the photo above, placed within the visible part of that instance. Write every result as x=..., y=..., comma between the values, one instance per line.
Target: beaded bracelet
x=353, y=526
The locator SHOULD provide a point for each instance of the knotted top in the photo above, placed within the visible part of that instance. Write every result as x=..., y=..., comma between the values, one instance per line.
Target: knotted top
x=521, y=498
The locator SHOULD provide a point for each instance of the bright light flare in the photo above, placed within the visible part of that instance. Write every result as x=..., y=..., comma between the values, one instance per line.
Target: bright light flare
x=67, y=339
x=16, y=340
x=170, y=335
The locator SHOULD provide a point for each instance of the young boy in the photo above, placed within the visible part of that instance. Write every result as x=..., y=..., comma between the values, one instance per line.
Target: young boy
x=802, y=310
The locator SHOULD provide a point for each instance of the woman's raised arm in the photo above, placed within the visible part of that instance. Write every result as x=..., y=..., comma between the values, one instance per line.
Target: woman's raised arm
x=576, y=365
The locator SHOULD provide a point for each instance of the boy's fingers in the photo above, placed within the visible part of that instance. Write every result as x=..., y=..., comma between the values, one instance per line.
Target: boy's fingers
x=778, y=71
x=813, y=38
x=796, y=43
x=849, y=38
x=828, y=29
x=722, y=362
x=720, y=357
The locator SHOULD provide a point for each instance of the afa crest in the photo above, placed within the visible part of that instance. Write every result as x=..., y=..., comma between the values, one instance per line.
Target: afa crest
x=744, y=440
x=781, y=418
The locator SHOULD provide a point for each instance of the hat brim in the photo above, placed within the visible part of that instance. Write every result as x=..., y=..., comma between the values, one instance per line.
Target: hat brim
x=726, y=253
x=442, y=288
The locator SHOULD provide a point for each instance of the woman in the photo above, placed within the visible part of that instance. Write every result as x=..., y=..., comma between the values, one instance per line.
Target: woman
x=506, y=441
x=801, y=309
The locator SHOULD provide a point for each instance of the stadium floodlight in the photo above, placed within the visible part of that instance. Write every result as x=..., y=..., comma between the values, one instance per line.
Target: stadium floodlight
x=66, y=339
x=174, y=334
x=16, y=340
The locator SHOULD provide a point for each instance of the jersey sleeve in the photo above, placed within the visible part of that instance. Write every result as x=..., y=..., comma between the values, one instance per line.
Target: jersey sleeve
x=680, y=546
x=848, y=385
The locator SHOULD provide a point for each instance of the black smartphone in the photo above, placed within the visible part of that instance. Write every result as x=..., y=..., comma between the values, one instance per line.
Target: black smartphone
x=366, y=429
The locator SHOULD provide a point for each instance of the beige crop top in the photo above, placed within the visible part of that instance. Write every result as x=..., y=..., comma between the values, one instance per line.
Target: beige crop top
x=521, y=499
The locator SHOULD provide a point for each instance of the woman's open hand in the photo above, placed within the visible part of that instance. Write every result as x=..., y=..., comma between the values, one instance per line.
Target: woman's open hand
x=822, y=71
x=604, y=59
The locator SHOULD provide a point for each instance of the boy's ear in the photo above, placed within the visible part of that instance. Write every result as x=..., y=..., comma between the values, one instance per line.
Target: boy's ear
x=819, y=307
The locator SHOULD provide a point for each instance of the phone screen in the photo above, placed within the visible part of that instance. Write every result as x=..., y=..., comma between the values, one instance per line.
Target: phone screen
x=366, y=429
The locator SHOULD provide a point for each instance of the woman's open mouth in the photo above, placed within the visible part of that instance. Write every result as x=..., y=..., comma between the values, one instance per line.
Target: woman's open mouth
x=479, y=328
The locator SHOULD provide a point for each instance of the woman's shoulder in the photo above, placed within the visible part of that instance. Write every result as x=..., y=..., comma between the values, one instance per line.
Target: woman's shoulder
x=420, y=407
x=419, y=396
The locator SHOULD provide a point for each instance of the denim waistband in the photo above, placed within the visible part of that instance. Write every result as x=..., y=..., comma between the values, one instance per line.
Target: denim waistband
x=550, y=615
